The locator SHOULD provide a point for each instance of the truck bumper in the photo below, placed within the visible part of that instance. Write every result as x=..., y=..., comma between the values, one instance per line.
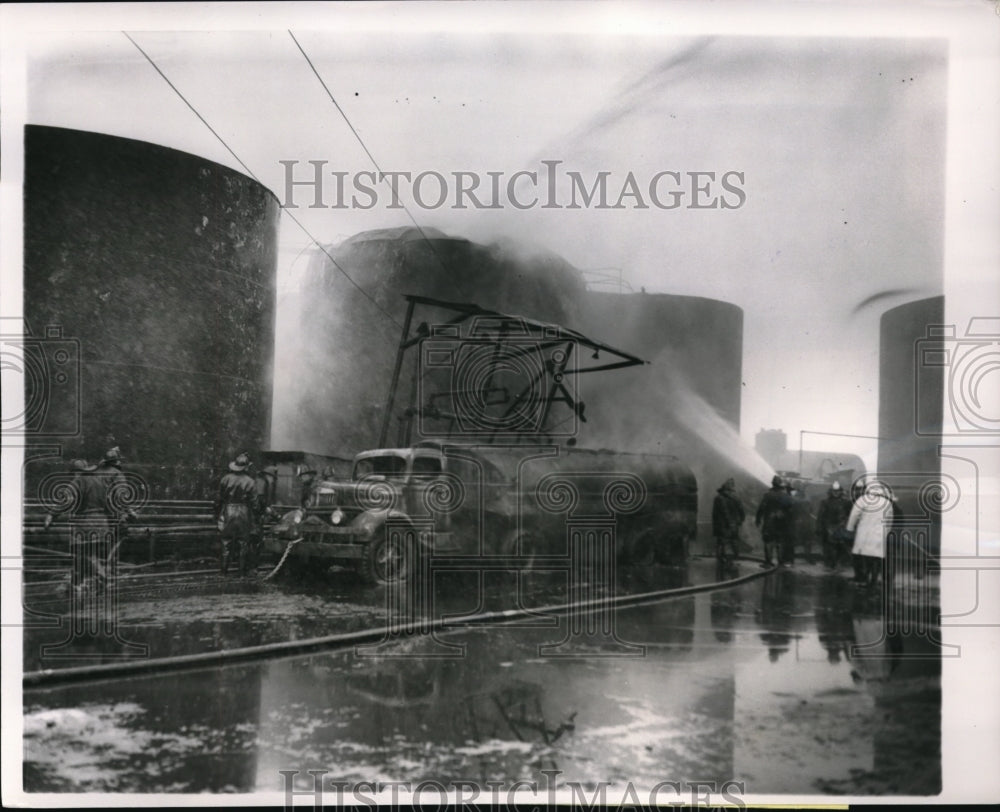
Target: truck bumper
x=317, y=549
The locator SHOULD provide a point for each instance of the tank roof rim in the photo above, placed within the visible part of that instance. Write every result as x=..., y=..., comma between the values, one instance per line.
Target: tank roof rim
x=164, y=147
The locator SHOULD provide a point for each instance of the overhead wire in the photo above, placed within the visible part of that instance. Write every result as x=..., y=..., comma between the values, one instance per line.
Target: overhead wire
x=381, y=175
x=247, y=169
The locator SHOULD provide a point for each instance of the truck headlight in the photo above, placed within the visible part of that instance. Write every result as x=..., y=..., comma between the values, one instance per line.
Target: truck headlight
x=337, y=516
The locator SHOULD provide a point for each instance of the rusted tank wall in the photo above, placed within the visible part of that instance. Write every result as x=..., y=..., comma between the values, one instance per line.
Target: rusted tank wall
x=162, y=266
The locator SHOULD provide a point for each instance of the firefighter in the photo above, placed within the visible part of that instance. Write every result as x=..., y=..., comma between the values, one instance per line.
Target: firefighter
x=118, y=489
x=118, y=492
x=108, y=484
x=307, y=479
x=831, y=519
x=85, y=502
x=801, y=520
x=773, y=517
x=727, y=517
x=95, y=517
x=235, y=513
x=74, y=493
x=871, y=519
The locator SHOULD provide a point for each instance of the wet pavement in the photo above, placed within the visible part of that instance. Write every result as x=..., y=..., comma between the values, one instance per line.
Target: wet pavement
x=180, y=613
x=797, y=682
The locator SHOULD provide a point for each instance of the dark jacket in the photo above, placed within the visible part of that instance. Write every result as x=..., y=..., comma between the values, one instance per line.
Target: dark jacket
x=833, y=512
x=237, y=488
x=774, y=515
x=111, y=487
x=236, y=506
x=263, y=486
x=90, y=497
x=308, y=489
x=727, y=514
x=93, y=490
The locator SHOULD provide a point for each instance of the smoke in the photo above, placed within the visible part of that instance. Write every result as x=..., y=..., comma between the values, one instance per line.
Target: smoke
x=335, y=352
x=338, y=331
x=649, y=89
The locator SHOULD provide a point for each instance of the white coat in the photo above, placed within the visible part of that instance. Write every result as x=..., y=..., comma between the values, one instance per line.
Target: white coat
x=870, y=519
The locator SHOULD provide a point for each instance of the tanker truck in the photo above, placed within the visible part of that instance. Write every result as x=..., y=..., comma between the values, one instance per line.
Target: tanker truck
x=478, y=503
x=486, y=468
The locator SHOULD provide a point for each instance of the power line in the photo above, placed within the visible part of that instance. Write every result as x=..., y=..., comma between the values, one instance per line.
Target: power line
x=371, y=157
x=347, y=276
x=247, y=169
x=339, y=108
x=191, y=107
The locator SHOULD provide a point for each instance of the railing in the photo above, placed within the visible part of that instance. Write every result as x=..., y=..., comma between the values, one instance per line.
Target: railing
x=158, y=521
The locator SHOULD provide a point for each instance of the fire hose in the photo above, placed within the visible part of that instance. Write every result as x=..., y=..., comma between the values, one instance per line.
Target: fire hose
x=297, y=648
x=284, y=556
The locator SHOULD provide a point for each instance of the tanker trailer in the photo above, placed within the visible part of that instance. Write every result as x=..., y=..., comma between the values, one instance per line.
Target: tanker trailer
x=475, y=505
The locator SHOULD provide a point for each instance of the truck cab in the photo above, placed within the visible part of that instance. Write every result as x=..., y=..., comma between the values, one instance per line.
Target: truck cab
x=453, y=500
x=399, y=503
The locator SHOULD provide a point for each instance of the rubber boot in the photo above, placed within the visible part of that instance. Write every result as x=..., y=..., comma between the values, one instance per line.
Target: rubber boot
x=859, y=568
x=788, y=552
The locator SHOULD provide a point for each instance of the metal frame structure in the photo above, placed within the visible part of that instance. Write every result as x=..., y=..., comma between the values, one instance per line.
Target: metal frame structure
x=547, y=336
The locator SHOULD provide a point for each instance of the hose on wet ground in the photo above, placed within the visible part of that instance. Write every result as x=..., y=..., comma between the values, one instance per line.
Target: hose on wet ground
x=51, y=678
x=281, y=563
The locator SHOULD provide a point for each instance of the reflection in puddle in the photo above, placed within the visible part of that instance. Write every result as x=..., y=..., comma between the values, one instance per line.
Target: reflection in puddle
x=764, y=683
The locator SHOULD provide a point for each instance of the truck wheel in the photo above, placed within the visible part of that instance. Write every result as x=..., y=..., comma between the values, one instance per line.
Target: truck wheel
x=673, y=552
x=389, y=558
x=642, y=550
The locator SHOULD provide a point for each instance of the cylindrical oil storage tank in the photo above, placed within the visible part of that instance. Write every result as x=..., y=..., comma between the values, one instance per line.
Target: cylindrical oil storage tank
x=686, y=401
x=912, y=350
x=153, y=272
x=693, y=343
x=339, y=331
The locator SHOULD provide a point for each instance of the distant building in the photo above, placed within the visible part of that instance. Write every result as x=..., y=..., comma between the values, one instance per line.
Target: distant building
x=772, y=445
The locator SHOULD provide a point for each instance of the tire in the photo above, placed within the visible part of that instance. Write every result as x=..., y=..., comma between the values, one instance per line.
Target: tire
x=673, y=553
x=389, y=558
x=642, y=550
x=297, y=569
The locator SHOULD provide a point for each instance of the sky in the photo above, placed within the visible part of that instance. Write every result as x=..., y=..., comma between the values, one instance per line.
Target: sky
x=837, y=143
